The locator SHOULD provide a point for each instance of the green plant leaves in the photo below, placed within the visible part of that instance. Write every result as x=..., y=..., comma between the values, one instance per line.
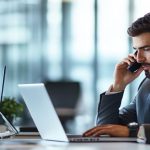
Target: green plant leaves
x=10, y=108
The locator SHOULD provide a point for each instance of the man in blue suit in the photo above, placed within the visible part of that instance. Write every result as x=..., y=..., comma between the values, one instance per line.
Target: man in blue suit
x=125, y=122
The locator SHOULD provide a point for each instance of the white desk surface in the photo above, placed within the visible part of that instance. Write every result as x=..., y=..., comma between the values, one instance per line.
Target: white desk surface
x=32, y=143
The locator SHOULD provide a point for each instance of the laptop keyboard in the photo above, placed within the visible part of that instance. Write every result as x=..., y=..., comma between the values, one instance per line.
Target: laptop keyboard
x=84, y=139
x=80, y=138
x=101, y=139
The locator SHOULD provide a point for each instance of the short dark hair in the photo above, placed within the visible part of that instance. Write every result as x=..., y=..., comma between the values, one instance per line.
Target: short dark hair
x=141, y=25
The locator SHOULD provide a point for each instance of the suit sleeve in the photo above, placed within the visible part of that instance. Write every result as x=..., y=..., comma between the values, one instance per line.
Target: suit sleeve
x=109, y=113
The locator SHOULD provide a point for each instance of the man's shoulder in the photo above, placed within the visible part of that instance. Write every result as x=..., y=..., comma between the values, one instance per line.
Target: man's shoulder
x=142, y=82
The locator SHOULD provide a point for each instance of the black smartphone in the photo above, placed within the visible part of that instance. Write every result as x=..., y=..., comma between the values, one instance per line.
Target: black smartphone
x=134, y=67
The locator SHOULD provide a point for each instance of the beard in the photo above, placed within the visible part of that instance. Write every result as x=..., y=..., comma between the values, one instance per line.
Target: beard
x=147, y=71
x=147, y=74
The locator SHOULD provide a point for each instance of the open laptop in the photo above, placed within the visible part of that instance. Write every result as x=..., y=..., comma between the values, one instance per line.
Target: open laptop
x=9, y=128
x=45, y=117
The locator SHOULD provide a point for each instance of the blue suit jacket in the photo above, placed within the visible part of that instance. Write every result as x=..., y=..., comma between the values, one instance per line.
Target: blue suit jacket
x=137, y=111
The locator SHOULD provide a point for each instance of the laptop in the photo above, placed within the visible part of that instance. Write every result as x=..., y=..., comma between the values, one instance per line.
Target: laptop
x=7, y=128
x=46, y=119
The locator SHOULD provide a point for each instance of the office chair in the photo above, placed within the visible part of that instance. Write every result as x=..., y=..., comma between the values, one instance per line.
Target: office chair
x=65, y=96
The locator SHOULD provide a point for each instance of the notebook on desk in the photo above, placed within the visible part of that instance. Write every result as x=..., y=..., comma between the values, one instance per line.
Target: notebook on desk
x=46, y=120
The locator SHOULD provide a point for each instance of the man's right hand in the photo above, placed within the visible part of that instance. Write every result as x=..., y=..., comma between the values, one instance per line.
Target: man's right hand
x=122, y=76
x=108, y=129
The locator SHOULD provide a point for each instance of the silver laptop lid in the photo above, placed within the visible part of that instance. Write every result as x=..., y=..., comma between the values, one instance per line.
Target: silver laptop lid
x=42, y=111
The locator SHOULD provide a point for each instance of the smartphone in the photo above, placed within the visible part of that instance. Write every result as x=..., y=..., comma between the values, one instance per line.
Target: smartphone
x=134, y=67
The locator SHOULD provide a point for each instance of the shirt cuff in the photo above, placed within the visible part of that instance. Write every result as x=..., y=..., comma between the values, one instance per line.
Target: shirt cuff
x=109, y=91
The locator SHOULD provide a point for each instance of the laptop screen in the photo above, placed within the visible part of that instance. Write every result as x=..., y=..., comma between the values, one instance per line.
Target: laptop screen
x=2, y=83
x=42, y=111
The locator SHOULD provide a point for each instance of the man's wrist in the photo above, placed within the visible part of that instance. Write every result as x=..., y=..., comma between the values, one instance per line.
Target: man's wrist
x=117, y=88
x=110, y=91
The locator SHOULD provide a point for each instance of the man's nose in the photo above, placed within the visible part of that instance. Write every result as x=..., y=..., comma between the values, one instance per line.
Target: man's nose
x=140, y=56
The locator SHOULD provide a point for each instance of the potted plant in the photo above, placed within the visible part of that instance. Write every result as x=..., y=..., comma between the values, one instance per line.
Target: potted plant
x=11, y=108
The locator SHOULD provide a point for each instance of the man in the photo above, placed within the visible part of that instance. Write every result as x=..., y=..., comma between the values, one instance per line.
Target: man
x=111, y=120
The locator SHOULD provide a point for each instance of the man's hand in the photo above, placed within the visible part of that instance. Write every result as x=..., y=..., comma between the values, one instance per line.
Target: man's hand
x=109, y=129
x=122, y=76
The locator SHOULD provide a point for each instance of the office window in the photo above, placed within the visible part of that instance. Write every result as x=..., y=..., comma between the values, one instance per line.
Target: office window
x=70, y=48
x=112, y=40
x=20, y=42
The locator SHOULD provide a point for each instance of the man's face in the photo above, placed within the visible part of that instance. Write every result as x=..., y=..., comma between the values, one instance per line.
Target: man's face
x=141, y=44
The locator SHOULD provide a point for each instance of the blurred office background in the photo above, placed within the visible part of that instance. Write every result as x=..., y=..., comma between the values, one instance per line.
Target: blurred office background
x=75, y=40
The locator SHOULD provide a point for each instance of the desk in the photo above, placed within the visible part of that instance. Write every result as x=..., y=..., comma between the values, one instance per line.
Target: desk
x=38, y=144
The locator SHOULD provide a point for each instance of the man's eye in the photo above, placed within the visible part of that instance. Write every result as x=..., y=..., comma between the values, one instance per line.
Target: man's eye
x=147, y=49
